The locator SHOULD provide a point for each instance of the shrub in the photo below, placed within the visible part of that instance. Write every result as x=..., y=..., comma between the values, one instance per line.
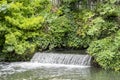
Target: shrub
x=106, y=48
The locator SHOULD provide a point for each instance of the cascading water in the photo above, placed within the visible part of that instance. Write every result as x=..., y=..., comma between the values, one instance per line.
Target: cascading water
x=56, y=59
x=55, y=66
x=60, y=58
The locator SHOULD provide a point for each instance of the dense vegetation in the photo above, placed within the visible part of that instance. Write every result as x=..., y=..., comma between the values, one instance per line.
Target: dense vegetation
x=27, y=26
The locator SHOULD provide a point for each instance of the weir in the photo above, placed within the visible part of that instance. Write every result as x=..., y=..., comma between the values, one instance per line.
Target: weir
x=60, y=58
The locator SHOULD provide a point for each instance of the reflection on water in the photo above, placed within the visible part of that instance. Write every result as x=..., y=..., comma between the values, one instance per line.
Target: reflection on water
x=36, y=71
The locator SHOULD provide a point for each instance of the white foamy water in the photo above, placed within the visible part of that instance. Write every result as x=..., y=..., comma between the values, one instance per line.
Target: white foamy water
x=60, y=58
x=47, y=60
x=11, y=68
x=45, y=71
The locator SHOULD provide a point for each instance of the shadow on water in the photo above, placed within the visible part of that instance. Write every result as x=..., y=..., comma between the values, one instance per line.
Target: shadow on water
x=32, y=71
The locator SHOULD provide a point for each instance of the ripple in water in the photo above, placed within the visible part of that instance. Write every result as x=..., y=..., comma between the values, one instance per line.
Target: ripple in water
x=37, y=71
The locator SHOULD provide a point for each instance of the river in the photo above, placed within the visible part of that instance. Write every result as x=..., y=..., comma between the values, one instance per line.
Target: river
x=38, y=71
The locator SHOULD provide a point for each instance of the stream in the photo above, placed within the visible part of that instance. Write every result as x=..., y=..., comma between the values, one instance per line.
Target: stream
x=38, y=71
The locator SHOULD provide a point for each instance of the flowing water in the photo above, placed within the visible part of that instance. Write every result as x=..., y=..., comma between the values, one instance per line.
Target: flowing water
x=55, y=58
x=54, y=66
x=38, y=71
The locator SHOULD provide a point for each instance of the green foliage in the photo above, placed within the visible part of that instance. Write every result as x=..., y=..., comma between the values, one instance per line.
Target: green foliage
x=30, y=25
x=106, y=51
x=20, y=24
x=106, y=28
x=27, y=26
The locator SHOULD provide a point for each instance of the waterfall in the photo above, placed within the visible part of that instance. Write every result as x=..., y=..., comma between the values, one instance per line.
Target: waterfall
x=60, y=58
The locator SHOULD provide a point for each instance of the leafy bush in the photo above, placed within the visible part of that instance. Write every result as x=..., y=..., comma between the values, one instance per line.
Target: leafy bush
x=27, y=26
x=30, y=25
x=21, y=23
x=106, y=48
x=107, y=51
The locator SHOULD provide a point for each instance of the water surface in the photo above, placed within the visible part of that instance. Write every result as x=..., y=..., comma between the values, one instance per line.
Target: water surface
x=37, y=71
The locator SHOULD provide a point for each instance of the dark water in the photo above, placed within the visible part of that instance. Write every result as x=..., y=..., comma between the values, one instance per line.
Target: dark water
x=37, y=71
